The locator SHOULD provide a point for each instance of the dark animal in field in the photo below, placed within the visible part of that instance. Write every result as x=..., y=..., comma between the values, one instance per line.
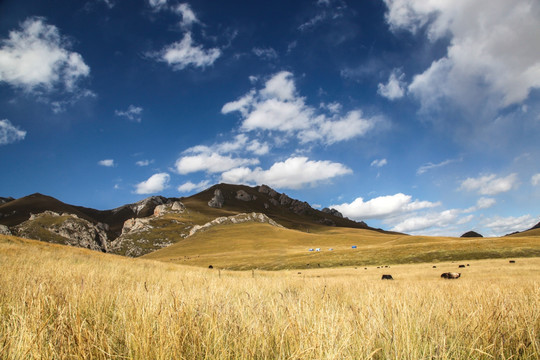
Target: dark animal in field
x=434, y=266
x=387, y=277
x=450, y=275
x=512, y=261
x=461, y=266
x=210, y=267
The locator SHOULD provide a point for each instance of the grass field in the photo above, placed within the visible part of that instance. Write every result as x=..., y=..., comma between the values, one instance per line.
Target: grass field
x=262, y=246
x=58, y=302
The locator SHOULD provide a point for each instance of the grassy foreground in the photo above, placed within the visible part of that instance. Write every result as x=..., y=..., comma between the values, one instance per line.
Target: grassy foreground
x=58, y=302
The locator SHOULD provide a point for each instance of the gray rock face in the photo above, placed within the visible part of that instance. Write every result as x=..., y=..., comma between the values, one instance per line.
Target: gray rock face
x=218, y=200
x=244, y=196
x=68, y=227
x=284, y=199
x=4, y=230
x=332, y=212
x=299, y=207
x=235, y=219
x=265, y=189
x=136, y=225
x=274, y=202
x=175, y=207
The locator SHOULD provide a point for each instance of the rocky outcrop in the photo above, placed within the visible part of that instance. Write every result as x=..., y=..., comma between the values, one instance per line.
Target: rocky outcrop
x=284, y=200
x=4, y=230
x=332, y=212
x=136, y=225
x=244, y=196
x=175, y=207
x=299, y=207
x=145, y=207
x=265, y=189
x=471, y=234
x=218, y=200
x=235, y=219
x=66, y=229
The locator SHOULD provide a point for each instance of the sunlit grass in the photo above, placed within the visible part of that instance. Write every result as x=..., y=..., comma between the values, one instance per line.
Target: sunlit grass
x=58, y=302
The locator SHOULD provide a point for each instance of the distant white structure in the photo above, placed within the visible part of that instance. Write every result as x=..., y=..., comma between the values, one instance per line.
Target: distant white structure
x=310, y=249
x=318, y=249
x=331, y=249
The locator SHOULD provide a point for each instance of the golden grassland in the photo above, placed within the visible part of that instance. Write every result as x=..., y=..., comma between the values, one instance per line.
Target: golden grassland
x=262, y=246
x=58, y=302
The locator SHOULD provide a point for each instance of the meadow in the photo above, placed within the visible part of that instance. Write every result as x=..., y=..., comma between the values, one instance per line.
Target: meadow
x=59, y=302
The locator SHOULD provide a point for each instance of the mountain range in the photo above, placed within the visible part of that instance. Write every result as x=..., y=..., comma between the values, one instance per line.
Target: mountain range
x=155, y=222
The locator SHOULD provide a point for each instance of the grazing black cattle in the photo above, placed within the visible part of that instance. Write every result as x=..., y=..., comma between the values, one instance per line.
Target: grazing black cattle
x=434, y=266
x=210, y=267
x=461, y=266
x=450, y=275
x=512, y=261
x=387, y=277
x=468, y=265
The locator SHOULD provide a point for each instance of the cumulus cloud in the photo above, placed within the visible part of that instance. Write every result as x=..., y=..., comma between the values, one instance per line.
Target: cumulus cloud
x=505, y=225
x=441, y=219
x=189, y=186
x=293, y=173
x=535, y=179
x=154, y=184
x=382, y=207
x=429, y=166
x=379, y=162
x=210, y=162
x=36, y=57
x=490, y=184
x=182, y=54
x=107, y=163
x=394, y=88
x=132, y=113
x=10, y=133
x=492, y=49
x=278, y=107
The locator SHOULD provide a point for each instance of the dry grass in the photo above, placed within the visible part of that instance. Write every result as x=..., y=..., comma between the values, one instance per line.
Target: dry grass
x=64, y=303
x=262, y=246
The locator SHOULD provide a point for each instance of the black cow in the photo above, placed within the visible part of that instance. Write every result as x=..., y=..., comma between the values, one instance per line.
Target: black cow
x=461, y=266
x=450, y=275
x=387, y=277
x=512, y=261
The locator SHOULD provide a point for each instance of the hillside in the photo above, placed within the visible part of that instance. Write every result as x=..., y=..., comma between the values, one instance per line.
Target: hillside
x=153, y=223
x=261, y=246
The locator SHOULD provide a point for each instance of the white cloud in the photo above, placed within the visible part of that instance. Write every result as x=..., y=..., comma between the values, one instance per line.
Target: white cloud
x=493, y=52
x=189, y=186
x=36, y=58
x=106, y=163
x=188, y=16
x=154, y=184
x=180, y=55
x=144, y=162
x=157, y=4
x=505, y=225
x=9, y=133
x=382, y=207
x=490, y=184
x=210, y=162
x=293, y=173
x=424, y=168
x=265, y=53
x=535, y=179
x=482, y=203
x=133, y=113
x=442, y=219
x=394, y=88
x=379, y=162
x=278, y=107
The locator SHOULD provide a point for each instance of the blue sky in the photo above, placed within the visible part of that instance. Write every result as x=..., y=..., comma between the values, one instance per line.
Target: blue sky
x=414, y=116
